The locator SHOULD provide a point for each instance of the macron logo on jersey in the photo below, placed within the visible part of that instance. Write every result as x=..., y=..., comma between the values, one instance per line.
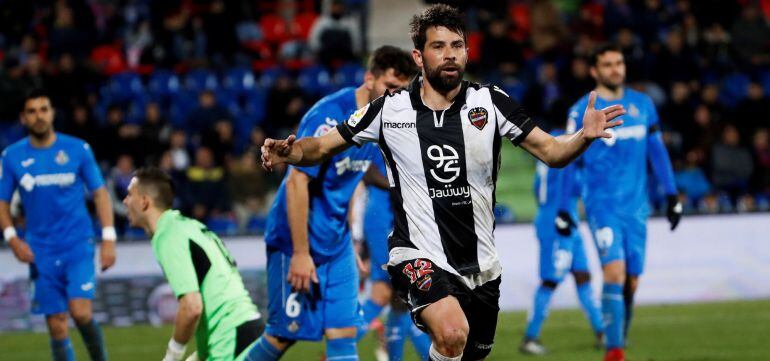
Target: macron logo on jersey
x=29, y=182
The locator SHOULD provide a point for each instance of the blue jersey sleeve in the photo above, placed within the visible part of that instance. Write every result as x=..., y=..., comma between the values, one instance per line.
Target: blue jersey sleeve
x=316, y=123
x=657, y=153
x=89, y=170
x=564, y=180
x=7, y=180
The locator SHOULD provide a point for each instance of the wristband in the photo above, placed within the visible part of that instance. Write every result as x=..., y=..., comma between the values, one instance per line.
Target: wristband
x=109, y=234
x=9, y=233
x=176, y=346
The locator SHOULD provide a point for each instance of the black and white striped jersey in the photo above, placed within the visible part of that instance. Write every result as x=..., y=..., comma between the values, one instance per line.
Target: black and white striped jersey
x=442, y=168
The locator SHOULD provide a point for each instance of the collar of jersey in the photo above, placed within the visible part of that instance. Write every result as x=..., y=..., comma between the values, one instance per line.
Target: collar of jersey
x=417, y=103
x=164, y=220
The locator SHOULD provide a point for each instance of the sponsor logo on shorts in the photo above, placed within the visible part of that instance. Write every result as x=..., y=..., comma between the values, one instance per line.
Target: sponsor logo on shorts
x=482, y=346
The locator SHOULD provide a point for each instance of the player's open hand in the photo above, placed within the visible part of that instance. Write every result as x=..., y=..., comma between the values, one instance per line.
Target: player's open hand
x=107, y=255
x=301, y=272
x=275, y=152
x=597, y=121
x=21, y=250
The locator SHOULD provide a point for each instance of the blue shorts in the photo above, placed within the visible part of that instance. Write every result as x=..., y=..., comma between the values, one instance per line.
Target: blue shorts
x=377, y=242
x=58, y=278
x=559, y=255
x=620, y=238
x=332, y=303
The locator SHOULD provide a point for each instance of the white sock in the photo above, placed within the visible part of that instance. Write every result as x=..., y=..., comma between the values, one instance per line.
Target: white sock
x=435, y=356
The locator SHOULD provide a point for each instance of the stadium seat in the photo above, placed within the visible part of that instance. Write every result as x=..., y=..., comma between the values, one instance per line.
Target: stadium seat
x=201, y=79
x=315, y=80
x=109, y=59
x=302, y=24
x=256, y=224
x=274, y=28
x=228, y=100
x=123, y=87
x=163, y=83
x=239, y=80
x=350, y=74
x=255, y=105
x=222, y=225
x=270, y=75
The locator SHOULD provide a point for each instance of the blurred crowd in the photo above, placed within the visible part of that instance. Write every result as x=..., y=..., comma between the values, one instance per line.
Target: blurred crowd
x=194, y=86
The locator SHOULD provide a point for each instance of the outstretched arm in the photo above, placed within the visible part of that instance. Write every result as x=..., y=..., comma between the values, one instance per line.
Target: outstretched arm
x=559, y=151
x=303, y=152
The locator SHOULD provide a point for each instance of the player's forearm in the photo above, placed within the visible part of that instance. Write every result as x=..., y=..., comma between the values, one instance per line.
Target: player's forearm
x=5, y=215
x=297, y=205
x=661, y=164
x=566, y=148
x=187, y=316
x=375, y=178
x=310, y=152
x=103, y=205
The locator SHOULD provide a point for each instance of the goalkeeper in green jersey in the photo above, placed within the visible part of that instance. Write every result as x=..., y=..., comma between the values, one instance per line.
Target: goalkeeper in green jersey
x=201, y=272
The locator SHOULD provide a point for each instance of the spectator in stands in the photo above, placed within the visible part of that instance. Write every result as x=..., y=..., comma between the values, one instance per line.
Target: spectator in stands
x=761, y=150
x=221, y=140
x=334, y=37
x=750, y=36
x=285, y=107
x=117, y=183
x=67, y=82
x=206, y=114
x=179, y=149
x=81, y=125
x=544, y=92
x=502, y=54
x=752, y=112
x=247, y=188
x=675, y=63
x=65, y=36
x=577, y=81
x=206, y=188
x=155, y=132
x=691, y=180
x=731, y=164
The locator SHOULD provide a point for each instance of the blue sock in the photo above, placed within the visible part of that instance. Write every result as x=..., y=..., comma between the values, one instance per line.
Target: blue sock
x=591, y=309
x=371, y=311
x=396, y=328
x=613, y=310
x=263, y=351
x=539, y=312
x=94, y=341
x=62, y=350
x=420, y=340
x=341, y=349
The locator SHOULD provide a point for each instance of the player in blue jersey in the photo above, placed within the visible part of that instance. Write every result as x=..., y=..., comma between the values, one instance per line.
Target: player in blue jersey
x=615, y=190
x=377, y=226
x=561, y=248
x=52, y=172
x=312, y=273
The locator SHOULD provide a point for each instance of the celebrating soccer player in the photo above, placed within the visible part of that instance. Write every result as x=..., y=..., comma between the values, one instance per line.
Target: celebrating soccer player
x=615, y=190
x=441, y=139
x=561, y=248
x=52, y=171
x=201, y=273
x=311, y=265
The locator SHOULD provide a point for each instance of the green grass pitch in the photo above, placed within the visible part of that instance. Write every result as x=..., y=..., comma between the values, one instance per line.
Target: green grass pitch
x=733, y=331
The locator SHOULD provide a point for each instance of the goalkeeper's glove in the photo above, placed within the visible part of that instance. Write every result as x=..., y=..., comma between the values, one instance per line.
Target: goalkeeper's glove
x=175, y=351
x=673, y=211
x=564, y=223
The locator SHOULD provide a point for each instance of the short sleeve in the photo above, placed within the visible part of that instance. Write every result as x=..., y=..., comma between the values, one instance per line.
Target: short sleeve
x=89, y=169
x=512, y=122
x=315, y=124
x=7, y=179
x=364, y=125
x=175, y=258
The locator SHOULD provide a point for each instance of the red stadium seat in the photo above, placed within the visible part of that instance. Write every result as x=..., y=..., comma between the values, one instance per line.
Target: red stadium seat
x=301, y=25
x=274, y=28
x=474, y=47
x=109, y=59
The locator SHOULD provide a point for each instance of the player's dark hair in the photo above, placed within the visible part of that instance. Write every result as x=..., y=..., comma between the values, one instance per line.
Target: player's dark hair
x=387, y=57
x=34, y=94
x=157, y=184
x=435, y=15
x=601, y=49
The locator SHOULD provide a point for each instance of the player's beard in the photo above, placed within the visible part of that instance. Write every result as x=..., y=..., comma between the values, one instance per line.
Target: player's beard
x=610, y=84
x=41, y=131
x=444, y=84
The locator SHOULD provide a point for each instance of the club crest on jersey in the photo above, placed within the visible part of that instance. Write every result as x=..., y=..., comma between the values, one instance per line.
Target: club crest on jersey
x=62, y=158
x=478, y=117
x=293, y=327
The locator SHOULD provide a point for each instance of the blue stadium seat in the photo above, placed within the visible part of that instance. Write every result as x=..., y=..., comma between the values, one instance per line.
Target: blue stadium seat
x=315, y=80
x=255, y=105
x=182, y=103
x=122, y=88
x=239, y=80
x=200, y=80
x=503, y=214
x=229, y=100
x=163, y=83
x=350, y=74
x=222, y=225
x=135, y=113
x=270, y=75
